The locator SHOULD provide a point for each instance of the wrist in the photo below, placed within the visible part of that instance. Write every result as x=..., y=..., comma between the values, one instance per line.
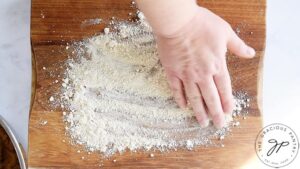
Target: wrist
x=180, y=29
x=166, y=17
x=177, y=24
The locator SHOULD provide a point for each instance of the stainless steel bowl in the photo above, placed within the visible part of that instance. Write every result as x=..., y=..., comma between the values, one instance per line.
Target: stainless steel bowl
x=16, y=144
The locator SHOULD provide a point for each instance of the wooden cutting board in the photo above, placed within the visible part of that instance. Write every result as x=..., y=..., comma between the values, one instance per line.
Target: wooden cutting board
x=54, y=23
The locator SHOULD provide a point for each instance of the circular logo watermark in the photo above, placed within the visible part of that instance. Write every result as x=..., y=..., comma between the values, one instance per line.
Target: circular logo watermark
x=276, y=145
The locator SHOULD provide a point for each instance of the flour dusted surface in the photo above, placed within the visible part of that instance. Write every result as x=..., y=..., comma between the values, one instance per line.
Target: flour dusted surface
x=118, y=97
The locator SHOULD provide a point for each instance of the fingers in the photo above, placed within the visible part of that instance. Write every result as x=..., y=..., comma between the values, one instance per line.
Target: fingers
x=194, y=96
x=212, y=101
x=223, y=84
x=193, y=93
x=238, y=47
x=178, y=90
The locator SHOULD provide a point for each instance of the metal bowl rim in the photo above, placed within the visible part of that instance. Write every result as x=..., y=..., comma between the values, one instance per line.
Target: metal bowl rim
x=16, y=144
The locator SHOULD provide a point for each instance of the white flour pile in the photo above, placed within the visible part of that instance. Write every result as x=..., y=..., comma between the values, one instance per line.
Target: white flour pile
x=118, y=97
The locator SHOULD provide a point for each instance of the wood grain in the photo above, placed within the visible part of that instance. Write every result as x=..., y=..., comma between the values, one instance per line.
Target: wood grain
x=54, y=23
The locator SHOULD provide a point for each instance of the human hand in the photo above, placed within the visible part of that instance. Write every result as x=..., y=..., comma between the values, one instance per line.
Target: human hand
x=195, y=64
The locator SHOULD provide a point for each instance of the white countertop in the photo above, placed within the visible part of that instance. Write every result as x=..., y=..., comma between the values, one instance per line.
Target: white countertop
x=281, y=87
x=15, y=65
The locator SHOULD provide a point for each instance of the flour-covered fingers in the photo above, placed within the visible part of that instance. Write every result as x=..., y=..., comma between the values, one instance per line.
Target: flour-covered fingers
x=212, y=100
x=194, y=96
x=177, y=90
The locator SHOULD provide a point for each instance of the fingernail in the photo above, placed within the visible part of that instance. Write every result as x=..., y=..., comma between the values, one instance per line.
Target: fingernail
x=250, y=51
x=219, y=122
x=204, y=123
x=182, y=106
x=219, y=125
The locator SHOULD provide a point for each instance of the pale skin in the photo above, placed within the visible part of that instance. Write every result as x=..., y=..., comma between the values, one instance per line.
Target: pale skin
x=192, y=45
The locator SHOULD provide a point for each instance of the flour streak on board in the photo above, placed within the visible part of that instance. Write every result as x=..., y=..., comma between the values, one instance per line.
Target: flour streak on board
x=116, y=96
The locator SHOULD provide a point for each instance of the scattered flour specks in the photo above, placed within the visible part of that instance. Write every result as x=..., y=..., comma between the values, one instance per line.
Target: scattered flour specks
x=89, y=22
x=118, y=98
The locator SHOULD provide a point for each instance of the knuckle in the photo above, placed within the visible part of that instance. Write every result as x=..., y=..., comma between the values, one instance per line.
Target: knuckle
x=210, y=101
x=178, y=99
x=224, y=89
x=207, y=70
x=200, y=116
x=194, y=97
x=195, y=102
x=217, y=65
x=203, y=81
x=205, y=77
x=175, y=88
x=188, y=75
x=210, y=69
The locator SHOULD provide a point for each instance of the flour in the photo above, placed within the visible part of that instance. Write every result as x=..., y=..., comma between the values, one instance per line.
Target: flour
x=51, y=99
x=106, y=30
x=118, y=98
x=89, y=22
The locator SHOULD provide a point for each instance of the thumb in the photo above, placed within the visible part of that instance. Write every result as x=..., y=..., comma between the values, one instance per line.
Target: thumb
x=238, y=47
